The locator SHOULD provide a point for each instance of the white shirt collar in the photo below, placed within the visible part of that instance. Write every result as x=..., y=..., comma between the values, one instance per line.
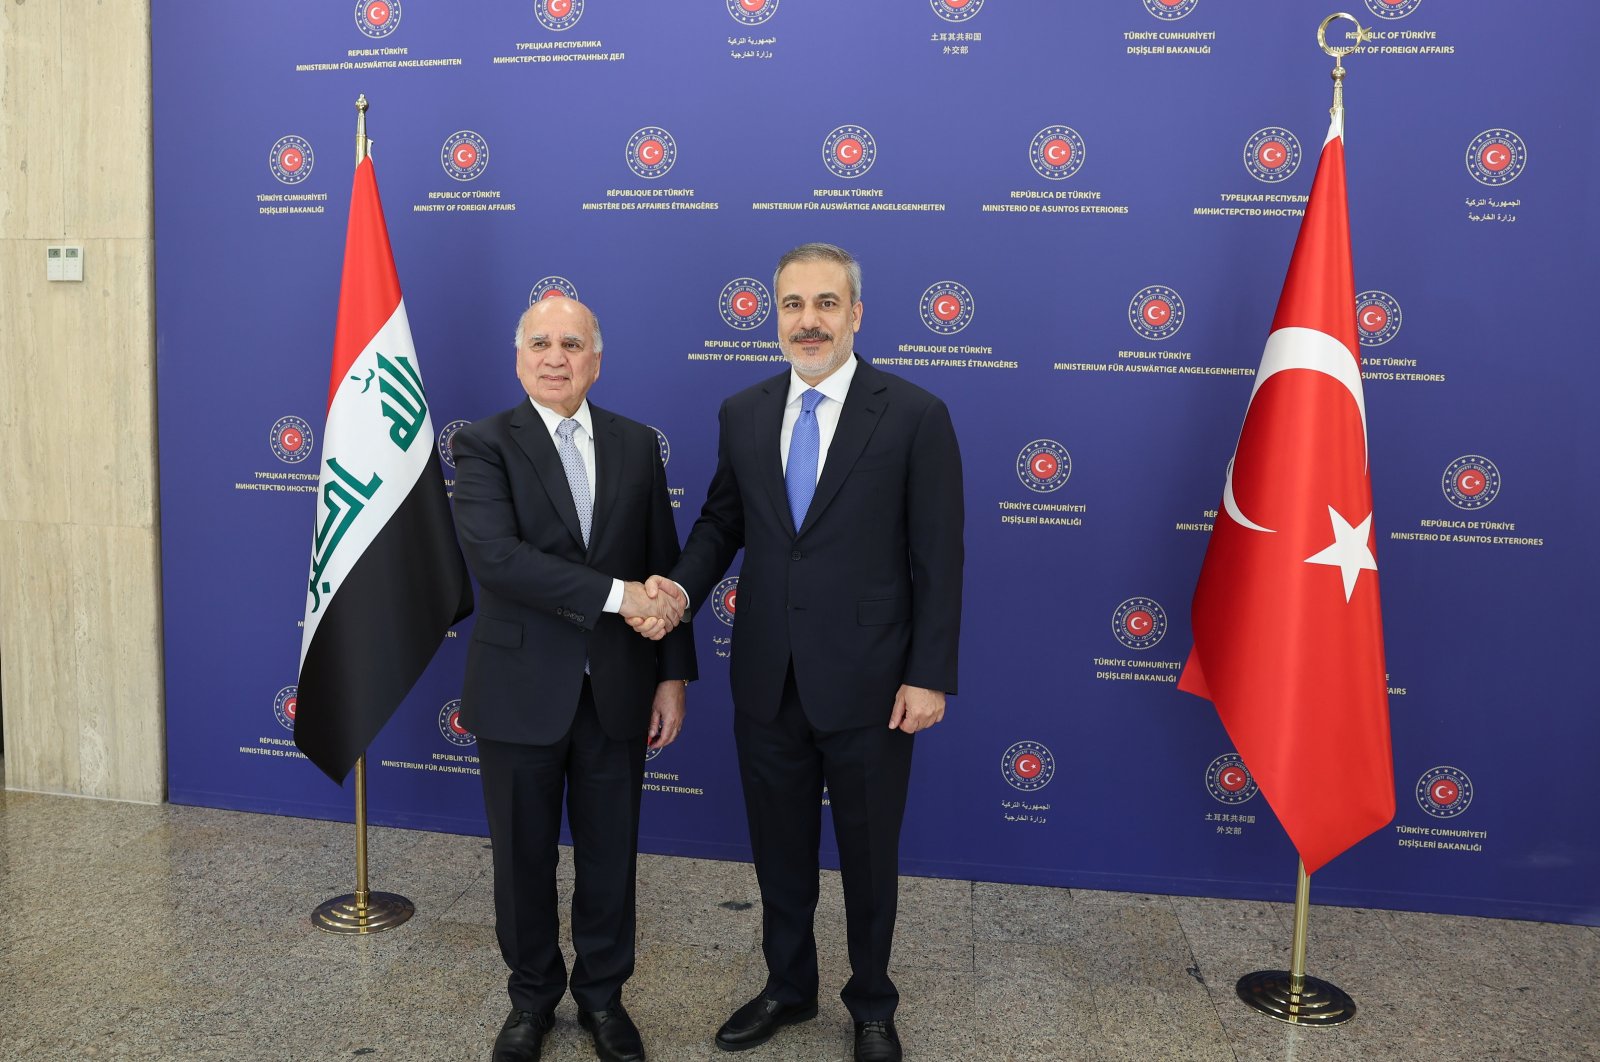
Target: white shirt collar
x=552, y=419
x=834, y=387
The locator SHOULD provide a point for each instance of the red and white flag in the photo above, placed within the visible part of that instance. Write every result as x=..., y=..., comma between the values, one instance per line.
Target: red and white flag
x=1288, y=636
x=387, y=579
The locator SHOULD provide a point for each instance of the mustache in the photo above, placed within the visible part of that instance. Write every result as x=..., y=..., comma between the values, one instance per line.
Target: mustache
x=809, y=334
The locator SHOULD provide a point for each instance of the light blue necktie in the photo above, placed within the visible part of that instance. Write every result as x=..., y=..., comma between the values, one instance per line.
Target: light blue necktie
x=804, y=446
x=577, y=478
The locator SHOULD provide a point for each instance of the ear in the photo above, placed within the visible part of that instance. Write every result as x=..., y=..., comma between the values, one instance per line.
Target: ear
x=855, y=316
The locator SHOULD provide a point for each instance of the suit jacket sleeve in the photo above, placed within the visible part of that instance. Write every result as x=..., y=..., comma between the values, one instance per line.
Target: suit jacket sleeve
x=719, y=532
x=486, y=522
x=936, y=515
x=675, y=657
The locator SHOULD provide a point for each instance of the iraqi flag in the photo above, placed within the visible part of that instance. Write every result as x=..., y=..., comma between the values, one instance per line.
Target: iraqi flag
x=1288, y=638
x=387, y=579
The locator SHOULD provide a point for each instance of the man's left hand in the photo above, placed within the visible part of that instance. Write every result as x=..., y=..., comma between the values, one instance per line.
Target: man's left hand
x=916, y=709
x=666, y=713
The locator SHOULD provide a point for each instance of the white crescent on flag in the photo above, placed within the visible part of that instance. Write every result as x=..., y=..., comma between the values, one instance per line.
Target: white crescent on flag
x=1299, y=348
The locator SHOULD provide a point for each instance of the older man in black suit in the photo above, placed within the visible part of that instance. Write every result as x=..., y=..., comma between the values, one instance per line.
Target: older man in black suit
x=842, y=483
x=561, y=508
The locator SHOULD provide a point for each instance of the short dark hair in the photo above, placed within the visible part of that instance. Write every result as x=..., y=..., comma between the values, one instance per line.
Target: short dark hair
x=822, y=252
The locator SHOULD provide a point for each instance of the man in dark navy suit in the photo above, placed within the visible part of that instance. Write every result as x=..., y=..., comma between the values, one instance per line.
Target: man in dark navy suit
x=561, y=508
x=842, y=484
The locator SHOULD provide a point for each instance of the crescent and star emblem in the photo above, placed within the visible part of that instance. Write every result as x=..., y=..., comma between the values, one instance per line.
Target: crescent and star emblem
x=1307, y=348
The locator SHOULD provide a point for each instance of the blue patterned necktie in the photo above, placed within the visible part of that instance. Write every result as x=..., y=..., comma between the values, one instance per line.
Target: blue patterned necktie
x=804, y=446
x=577, y=478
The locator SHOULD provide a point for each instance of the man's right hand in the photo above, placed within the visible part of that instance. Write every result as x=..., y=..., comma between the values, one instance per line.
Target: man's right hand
x=650, y=611
x=664, y=607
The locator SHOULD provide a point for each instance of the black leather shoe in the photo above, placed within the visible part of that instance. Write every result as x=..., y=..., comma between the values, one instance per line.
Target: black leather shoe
x=616, y=1038
x=522, y=1036
x=876, y=1041
x=754, y=1023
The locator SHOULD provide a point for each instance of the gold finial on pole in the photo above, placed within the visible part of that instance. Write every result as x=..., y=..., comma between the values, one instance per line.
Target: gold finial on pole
x=363, y=145
x=1363, y=35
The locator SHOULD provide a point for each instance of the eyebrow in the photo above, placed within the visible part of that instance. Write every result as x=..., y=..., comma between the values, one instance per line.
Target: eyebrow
x=819, y=295
x=540, y=337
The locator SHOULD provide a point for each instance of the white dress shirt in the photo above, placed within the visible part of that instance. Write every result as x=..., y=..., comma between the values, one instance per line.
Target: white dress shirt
x=833, y=389
x=827, y=411
x=583, y=439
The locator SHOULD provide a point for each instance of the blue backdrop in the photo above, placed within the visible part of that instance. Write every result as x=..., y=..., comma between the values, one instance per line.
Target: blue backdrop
x=1074, y=221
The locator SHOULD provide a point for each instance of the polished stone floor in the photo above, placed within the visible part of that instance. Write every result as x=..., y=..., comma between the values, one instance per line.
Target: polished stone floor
x=130, y=931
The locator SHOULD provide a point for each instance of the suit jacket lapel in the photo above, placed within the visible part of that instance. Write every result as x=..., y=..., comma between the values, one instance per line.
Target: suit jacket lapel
x=607, y=469
x=768, y=433
x=533, y=438
x=863, y=405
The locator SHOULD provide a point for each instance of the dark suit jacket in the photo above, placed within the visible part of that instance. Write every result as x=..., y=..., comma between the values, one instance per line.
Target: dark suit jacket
x=542, y=593
x=864, y=596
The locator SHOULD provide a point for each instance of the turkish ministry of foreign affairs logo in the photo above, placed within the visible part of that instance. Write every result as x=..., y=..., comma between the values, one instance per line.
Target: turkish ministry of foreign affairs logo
x=284, y=706
x=558, y=15
x=1444, y=792
x=744, y=303
x=956, y=10
x=290, y=439
x=1272, y=154
x=650, y=152
x=1056, y=152
x=291, y=159
x=1229, y=781
x=1392, y=8
x=752, y=12
x=465, y=155
x=447, y=435
x=1027, y=766
x=1156, y=312
x=1170, y=10
x=1044, y=466
x=1471, y=482
x=552, y=288
x=849, y=151
x=725, y=599
x=662, y=446
x=377, y=18
x=1139, y=622
x=946, y=307
x=450, y=725
x=1377, y=318
x=1496, y=157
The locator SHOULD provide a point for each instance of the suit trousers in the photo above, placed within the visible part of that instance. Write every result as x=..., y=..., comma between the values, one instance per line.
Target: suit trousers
x=522, y=790
x=783, y=765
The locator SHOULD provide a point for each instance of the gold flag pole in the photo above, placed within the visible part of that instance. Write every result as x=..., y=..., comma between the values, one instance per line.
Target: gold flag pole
x=1290, y=996
x=362, y=911
x=363, y=145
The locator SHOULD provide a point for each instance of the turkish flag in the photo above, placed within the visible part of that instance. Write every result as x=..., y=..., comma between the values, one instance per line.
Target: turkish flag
x=1288, y=635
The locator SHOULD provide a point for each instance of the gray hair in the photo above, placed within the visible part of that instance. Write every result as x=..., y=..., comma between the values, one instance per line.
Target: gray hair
x=822, y=252
x=594, y=329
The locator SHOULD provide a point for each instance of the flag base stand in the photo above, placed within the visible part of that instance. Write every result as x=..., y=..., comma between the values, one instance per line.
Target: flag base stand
x=362, y=911
x=351, y=913
x=1317, y=1003
x=1289, y=995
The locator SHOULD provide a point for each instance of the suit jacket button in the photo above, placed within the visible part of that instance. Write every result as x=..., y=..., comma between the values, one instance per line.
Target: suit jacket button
x=577, y=617
x=795, y=555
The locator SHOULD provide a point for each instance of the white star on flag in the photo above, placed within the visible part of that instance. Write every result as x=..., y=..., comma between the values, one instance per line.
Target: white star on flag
x=1349, y=552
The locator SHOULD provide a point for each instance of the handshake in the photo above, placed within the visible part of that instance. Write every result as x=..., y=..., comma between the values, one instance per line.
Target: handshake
x=653, y=607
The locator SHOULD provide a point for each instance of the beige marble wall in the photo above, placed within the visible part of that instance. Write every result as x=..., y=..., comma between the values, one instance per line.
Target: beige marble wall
x=80, y=607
